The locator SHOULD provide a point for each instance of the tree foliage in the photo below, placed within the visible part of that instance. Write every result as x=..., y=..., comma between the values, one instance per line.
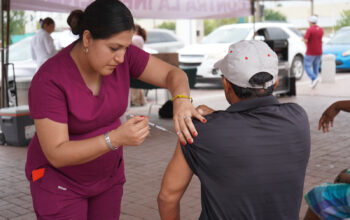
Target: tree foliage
x=345, y=19
x=271, y=15
x=211, y=24
x=17, y=23
x=167, y=25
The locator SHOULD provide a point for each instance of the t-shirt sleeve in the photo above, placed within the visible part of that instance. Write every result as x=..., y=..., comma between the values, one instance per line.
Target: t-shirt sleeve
x=47, y=100
x=307, y=34
x=137, y=59
x=193, y=153
x=191, y=157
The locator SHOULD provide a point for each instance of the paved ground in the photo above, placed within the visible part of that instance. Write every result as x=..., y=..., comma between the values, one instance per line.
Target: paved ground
x=145, y=164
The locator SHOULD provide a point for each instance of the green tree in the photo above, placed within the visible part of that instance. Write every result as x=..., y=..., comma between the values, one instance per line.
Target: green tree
x=345, y=19
x=271, y=15
x=167, y=25
x=211, y=24
x=17, y=23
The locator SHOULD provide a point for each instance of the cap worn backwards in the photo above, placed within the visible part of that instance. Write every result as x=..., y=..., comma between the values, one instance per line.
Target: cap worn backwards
x=313, y=19
x=247, y=58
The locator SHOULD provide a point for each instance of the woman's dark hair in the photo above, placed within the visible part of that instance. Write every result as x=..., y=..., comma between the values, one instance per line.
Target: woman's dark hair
x=141, y=31
x=258, y=79
x=102, y=18
x=46, y=21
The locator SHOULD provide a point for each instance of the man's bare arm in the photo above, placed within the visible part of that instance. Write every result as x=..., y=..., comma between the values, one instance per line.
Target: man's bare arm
x=175, y=181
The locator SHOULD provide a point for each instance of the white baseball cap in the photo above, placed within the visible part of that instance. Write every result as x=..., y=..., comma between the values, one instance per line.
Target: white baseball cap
x=313, y=19
x=247, y=58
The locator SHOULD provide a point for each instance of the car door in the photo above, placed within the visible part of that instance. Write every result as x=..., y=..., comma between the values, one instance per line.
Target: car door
x=163, y=42
x=277, y=39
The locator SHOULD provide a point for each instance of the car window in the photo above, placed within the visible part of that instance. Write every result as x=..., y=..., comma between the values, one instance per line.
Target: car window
x=158, y=37
x=340, y=38
x=231, y=35
x=296, y=31
x=262, y=32
x=275, y=33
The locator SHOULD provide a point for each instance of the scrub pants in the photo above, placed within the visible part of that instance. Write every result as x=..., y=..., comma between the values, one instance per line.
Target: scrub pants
x=54, y=199
x=312, y=66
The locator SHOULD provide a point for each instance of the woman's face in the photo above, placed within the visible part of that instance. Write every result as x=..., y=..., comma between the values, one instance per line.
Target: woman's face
x=105, y=54
x=49, y=28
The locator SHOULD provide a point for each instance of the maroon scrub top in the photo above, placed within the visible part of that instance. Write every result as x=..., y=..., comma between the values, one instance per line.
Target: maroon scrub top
x=58, y=92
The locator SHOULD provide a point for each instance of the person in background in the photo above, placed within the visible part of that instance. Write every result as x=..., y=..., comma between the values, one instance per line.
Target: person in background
x=42, y=45
x=312, y=59
x=138, y=39
x=75, y=163
x=250, y=158
x=330, y=201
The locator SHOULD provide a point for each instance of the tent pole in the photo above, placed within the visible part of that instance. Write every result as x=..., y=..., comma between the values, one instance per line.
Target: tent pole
x=7, y=32
x=252, y=12
x=2, y=104
x=312, y=7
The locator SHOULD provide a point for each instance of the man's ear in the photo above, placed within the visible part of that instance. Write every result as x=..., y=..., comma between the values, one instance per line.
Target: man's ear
x=226, y=84
x=230, y=94
x=276, y=83
x=86, y=38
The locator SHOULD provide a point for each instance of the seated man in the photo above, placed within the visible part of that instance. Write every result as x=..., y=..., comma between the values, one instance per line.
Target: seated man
x=330, y=201
x=250, y=158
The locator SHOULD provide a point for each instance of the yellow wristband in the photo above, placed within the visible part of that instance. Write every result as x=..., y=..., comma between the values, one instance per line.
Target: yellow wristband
x=182, y=96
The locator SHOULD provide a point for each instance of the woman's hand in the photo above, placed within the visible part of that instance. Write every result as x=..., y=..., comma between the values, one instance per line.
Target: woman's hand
x=183, y=113
x=131, y=133
x=204, y=110
x=328, y=117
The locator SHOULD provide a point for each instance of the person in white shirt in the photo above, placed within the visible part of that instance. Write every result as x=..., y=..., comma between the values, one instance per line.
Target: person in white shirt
x=42, y=45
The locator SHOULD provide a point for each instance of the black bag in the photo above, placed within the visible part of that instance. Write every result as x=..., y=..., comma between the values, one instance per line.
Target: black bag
x=166, y=111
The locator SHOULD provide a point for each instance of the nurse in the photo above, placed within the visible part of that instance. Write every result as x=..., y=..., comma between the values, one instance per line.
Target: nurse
x=75, y=160
x=42, y=45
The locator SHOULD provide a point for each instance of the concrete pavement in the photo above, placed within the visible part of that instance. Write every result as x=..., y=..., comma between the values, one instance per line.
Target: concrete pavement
x=145, y=164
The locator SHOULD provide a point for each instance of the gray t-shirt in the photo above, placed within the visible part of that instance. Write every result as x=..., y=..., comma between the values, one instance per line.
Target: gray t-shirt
x=251, y=160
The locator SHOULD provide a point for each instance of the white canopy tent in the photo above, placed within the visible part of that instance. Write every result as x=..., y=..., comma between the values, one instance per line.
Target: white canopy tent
x=162, y=9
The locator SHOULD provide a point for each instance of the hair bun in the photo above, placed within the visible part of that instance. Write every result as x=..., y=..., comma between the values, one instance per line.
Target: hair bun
x=74, y=20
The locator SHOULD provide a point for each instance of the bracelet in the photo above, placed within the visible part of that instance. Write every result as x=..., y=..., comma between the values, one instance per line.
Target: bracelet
x=182, y=96
x=109, y=144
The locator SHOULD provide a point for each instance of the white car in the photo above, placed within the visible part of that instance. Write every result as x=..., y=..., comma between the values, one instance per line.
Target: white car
x=162, y=41
x=21, y=58
x=214, y=47
x=23, y=68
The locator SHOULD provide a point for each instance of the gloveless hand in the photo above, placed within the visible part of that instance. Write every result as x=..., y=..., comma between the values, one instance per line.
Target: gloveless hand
x=328, y=118
x=131, y=133
x=183, y=113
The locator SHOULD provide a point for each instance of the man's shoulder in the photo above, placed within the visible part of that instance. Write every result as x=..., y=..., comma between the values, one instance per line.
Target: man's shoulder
x=219, y=118
x=293, y=107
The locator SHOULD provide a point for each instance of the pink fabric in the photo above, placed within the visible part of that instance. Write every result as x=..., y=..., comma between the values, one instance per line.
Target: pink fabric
x=165, y=9
x=59, y=93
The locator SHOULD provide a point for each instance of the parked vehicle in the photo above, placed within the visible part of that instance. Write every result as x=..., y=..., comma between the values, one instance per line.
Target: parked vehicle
x=339, y=45
x=215, y=46
x=162, y=41
x=22, y=67
x=20, y=55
